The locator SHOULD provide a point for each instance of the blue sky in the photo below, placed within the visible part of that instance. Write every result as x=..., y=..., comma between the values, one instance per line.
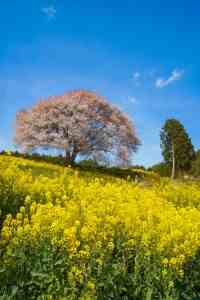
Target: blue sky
x=141, y=55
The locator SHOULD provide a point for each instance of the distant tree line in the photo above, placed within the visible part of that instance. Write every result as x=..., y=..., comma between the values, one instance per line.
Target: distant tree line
x=132, y=172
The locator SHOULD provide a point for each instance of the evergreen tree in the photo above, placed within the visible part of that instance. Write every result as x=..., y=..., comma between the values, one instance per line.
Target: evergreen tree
x=195, y=171
x=177, y=149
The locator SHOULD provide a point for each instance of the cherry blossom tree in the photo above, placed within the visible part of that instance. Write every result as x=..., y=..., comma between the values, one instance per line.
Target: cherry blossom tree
x=79, y=122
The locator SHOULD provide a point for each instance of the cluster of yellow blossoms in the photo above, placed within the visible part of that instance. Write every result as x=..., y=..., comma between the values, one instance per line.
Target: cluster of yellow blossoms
x=88, y=217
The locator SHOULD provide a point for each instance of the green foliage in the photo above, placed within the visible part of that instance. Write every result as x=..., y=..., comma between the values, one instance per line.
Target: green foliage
x=174, y=138
x=40, y=272
x=11, y=197
x=189, y=286
x=46, y=272
x=195, y=171
x=162, y=169
x=89, y=163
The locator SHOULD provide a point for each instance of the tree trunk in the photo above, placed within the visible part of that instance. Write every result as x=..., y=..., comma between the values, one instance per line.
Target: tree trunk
x=173, y=163
x=69, y=157
x=73, y=157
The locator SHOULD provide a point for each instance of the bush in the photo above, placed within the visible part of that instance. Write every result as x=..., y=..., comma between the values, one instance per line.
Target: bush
x=162, y=169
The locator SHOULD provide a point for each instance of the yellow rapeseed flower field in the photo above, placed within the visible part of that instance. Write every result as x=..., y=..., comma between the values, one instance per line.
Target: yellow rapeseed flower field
x=66, y=236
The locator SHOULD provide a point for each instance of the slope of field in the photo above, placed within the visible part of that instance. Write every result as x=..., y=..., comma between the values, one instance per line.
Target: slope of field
x=68, y=234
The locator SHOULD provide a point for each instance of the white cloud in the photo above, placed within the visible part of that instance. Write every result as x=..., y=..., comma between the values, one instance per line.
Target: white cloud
x=132, y=99
x=175, y=75
x=136, y=77
x=49, y=11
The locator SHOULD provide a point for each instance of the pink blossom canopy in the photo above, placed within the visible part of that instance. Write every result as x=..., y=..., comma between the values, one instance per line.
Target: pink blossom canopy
x=79, y=122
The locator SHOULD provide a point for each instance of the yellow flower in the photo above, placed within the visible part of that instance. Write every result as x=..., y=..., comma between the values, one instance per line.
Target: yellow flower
x=171, y=284
x=165, y=261
x=88, y=215
x=91, y=285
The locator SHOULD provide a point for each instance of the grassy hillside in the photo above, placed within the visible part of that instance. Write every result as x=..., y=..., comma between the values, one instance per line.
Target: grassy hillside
x=84, y=234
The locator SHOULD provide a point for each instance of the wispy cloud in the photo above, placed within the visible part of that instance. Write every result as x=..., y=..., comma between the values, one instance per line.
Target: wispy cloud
x=136, y=77
x=132, y=99
x=175, y=75
x=49, y=11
